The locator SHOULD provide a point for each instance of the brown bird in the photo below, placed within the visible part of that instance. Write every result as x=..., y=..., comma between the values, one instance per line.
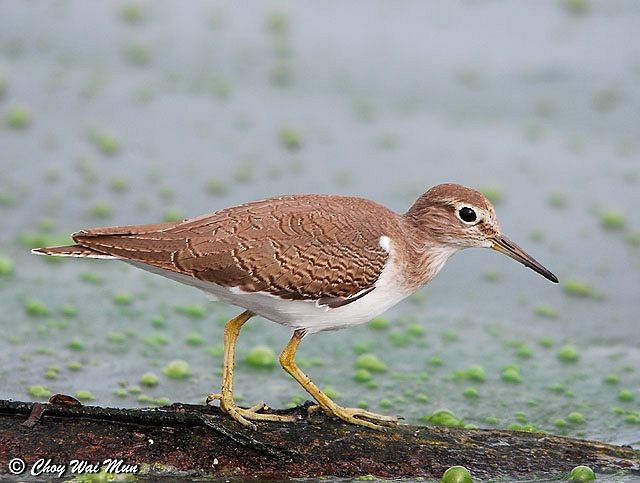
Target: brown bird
x=309, y=262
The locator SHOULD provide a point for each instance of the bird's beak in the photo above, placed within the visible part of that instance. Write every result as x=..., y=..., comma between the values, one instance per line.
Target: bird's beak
x=503, y=245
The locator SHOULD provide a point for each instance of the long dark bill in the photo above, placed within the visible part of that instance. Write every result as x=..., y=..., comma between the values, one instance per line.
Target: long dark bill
x=503, y=245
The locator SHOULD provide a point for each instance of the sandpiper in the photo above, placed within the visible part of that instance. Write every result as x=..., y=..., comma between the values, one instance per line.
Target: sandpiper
x=309, y=262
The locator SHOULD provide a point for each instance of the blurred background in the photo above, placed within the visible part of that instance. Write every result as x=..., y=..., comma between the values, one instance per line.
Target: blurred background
x=135, y=112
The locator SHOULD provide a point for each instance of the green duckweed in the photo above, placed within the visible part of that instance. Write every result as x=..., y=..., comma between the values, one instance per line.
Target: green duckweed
x=471, y=393
x=84, y=395
x=362, y=375
x=6, y=266
x=582, y=473
x=195, y=311
x=36, y=308
x=177, y=369
x=379, y=323
x=290, y=138
x=371, y=363
x=18, y=117
x=576, y=418
x=443, y=417
x=122, y=298
x=105, y=142
x=626, y=395
x=577, y=7
x=261, y=357
x=76, y=345
x=578, y=288
x=473, y=373
x=612, y=220
x=547, y=311
x=457, y=474
x=568, y=353
x=511, y=374
x=194, y=339
x=39, y=392
x=149, y=379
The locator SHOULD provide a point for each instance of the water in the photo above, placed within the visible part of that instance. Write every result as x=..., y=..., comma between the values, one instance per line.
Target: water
x=539, y=105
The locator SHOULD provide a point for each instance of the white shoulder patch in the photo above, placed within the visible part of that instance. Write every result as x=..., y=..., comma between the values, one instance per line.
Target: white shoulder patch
x=385, y=243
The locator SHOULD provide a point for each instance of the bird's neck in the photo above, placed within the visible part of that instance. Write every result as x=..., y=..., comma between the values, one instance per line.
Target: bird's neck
x=424, y=256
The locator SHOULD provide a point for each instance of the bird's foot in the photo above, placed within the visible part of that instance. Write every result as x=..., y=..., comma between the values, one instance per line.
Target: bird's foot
x=360, y=417
x=245, y=415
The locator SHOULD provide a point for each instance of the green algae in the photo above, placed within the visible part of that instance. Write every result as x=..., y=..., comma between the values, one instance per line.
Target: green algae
x=149, y=379
x=457, y=474
x=156, y=339
x=195, y=311
x=216, y=187
x=611, y=379
x=577, y=7
x=39, y=392
x=137, y=54
x=120, y=392
x=612, y=220
x=261, y=357
x=471, y=393
x=493, y=275
x=173, y=214
x=75, y=366
x=92, y=278
x=371, y=363
x=76, y=345
x=626, y=395
x=194, y=339
x=492, y=193
x=133, y=13
x=443, y=417
x=511, y=374
x=105, y=142
x=546, y=311
x=362, y=375
x=473, y=373
x=122, y=298
x=290, y=138
x=100, y=209
x=84, y=395
x=119, y=184
x=36, y=308
x=379, y=323
x=6, y=266
x=581, y=473
x=579, y=288
x=18, y=117
x=576, y=417
x=568, y=353
x=177, y=369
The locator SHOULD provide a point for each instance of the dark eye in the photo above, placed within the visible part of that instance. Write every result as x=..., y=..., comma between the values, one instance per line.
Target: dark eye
x=468, y=215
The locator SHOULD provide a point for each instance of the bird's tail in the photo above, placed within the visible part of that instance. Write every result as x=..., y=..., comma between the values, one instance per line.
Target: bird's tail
x=71, y=251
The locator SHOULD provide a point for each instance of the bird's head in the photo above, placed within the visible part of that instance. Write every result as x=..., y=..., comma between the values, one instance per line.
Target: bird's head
x=458, y=217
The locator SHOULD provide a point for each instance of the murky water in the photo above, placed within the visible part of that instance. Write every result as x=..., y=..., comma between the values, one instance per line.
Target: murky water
x=112, y=114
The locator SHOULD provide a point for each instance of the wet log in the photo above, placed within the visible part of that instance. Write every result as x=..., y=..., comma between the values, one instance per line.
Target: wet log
x=198, y=440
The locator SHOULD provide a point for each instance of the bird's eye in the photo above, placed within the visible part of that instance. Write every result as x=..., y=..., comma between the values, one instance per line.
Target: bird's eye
x=468, y=215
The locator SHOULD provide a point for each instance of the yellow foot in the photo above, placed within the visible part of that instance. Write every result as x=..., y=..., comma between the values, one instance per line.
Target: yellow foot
x=361, y=417
x=245, y=416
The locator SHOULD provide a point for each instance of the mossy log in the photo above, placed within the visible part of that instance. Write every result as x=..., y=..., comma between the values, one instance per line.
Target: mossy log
x=198, y=440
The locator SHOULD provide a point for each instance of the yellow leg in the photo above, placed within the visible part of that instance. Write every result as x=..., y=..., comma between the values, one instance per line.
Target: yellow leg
x=227, y=404
x=357, y=416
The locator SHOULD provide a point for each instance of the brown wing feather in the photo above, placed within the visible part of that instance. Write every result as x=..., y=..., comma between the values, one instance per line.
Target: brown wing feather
x=298, y=247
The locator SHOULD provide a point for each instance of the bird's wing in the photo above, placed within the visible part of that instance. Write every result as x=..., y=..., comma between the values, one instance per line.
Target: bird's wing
x=302, y=247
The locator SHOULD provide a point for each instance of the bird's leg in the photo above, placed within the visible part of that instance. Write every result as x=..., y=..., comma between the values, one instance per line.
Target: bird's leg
x=351, y=415
x=227, y=404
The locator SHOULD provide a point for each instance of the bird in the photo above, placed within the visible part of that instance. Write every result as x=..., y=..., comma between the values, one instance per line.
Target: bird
x=309, y=262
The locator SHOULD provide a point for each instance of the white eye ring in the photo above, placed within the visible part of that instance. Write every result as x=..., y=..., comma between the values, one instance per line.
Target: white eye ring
x=467, y=215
